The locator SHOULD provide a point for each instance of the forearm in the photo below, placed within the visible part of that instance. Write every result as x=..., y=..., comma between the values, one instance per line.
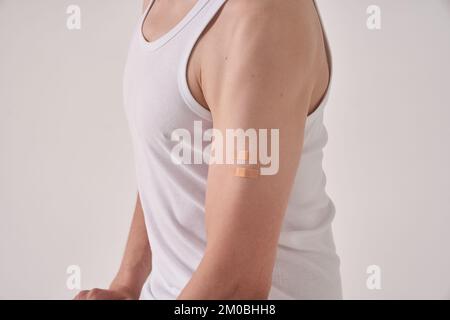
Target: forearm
x=227, y=278
x=136, y=262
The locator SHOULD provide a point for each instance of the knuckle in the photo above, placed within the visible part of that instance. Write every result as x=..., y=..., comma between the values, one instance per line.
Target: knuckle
x=81, y=295
x=93, y=293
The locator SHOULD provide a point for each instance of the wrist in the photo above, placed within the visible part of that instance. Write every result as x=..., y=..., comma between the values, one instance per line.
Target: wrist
x=126, y=285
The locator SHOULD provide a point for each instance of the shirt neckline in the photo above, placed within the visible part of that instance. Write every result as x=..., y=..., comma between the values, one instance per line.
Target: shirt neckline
x=162, y=40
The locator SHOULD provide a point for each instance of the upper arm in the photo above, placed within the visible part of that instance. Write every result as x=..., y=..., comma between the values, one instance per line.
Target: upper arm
x=262, y=80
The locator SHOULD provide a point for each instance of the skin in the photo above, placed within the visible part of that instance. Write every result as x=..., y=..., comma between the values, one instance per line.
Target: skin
x=135, y=266
x=242, y=71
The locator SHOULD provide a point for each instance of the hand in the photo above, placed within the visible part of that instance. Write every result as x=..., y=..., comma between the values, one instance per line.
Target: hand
x=106, y=294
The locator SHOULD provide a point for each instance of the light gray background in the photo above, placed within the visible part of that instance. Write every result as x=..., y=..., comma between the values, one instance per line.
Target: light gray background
x=67, y=186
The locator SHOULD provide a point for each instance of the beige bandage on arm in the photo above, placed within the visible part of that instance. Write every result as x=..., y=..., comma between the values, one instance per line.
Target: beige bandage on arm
x=246, y=172
x=243, y=155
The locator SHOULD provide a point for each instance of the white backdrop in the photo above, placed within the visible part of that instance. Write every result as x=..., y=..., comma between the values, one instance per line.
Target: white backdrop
x=67, y=182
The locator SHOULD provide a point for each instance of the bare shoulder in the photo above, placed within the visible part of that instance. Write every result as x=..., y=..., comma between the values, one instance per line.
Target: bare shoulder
x=300, y=14
x=269, y=35
x=252, y=25
x=266, y=7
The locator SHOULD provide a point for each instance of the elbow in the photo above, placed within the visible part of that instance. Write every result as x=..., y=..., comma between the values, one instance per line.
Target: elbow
x=246, y=289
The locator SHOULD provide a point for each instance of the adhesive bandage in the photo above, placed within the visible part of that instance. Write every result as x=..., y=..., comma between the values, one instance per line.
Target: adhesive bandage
x=243, y=155
x=242, y=172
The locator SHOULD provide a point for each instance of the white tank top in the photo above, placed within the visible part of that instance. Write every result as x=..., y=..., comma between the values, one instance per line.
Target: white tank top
x=157, y=102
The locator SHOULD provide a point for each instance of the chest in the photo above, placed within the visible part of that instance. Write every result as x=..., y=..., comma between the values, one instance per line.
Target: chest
x=161, y=19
